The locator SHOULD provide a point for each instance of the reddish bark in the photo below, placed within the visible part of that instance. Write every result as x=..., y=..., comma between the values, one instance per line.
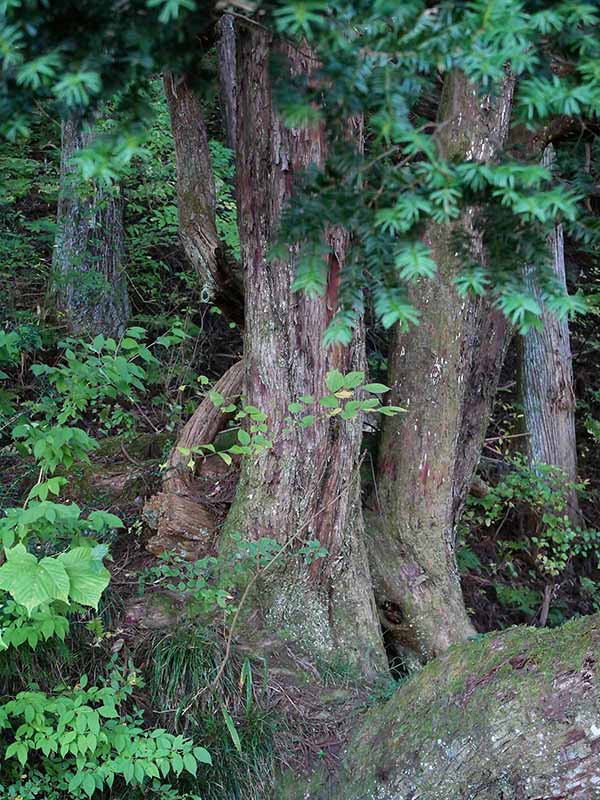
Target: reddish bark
x=306, y=486
x=445, y=373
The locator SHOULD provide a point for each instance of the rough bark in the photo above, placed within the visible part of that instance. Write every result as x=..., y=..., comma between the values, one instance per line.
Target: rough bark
x=445, y=372
x=196, y=201
x=89, y=248
x=547, y=389
x=227, y=77
x=181, y=512
x=306, y=486
x=513, y=716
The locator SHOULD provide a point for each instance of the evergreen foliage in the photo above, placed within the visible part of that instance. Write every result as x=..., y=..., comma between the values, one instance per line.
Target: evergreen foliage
x=88, y=709
x=386, y=61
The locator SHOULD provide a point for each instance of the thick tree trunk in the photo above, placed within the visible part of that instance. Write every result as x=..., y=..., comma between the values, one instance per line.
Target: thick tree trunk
x=547, y=391
x=89, y=248
x=196, y=201
x=514, y=716
x=306, y=486
x=445, y=373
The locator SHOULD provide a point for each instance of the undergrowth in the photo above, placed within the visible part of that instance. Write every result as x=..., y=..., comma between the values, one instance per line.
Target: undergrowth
x=232, y=718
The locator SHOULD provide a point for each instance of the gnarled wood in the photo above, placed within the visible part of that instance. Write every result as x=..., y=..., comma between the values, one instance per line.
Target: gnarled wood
x=181, y=513
x=445, y=372
x=202, y=427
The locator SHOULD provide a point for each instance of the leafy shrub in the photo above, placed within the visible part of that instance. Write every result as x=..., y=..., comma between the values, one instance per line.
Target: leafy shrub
x=75, y=740
x=543, y=491
x=81, y=738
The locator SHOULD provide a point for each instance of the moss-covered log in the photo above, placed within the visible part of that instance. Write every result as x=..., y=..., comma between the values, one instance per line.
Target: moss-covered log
x=512, y=716
x=120, y=475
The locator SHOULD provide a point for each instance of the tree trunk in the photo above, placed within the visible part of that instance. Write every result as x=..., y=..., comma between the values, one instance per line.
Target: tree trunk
x=227, y=78
x=196, y=201
x=306, y=486
x=89, y=248
x=547, y=391
x=445, y=372
x=514, y=716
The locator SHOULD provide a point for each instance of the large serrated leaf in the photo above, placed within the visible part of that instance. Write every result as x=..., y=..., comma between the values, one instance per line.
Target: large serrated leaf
x=87, y=575
x=30, y=582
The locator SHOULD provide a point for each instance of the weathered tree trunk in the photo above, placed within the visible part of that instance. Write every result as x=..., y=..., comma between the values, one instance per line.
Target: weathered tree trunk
x=89, y=248
x=546, y=373
x=227, y=77
x=179, y=513
x=445, y=372
x=514, y=716
x=196, y=201
x=306, y=486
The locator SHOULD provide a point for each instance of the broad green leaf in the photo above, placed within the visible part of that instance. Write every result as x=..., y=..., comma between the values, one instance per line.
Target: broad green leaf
x=390, y=411
x=89, y=784
x=353, y=379
x=329, y=401
x=216, y=398
x=243, y=437
x=334, y=380
x=202, y=755
x=189, y=762
x=177, y=763
x=30, y=582
x=376, y=388
x=87, y=575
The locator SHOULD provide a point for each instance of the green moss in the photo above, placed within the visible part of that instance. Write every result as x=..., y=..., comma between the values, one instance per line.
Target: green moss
x=144, y=446
x=478, y=693
x=316, y=786
x=120, y=471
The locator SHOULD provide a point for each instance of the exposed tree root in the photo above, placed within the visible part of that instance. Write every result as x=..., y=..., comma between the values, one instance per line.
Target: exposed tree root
x=515, y=715
x=188, y=510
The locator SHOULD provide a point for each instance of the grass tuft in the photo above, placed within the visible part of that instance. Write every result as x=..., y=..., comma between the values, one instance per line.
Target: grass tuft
x=231, y=719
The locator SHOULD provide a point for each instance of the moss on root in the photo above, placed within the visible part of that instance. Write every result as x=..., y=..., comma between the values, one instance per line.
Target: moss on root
x=508, y=716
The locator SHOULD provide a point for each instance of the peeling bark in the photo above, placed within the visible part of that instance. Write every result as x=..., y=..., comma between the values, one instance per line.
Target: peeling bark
x=196, y=201
x=547, y=389
x=306, y=486
x=445, y=372
x=89, y=248
x=183, y=519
